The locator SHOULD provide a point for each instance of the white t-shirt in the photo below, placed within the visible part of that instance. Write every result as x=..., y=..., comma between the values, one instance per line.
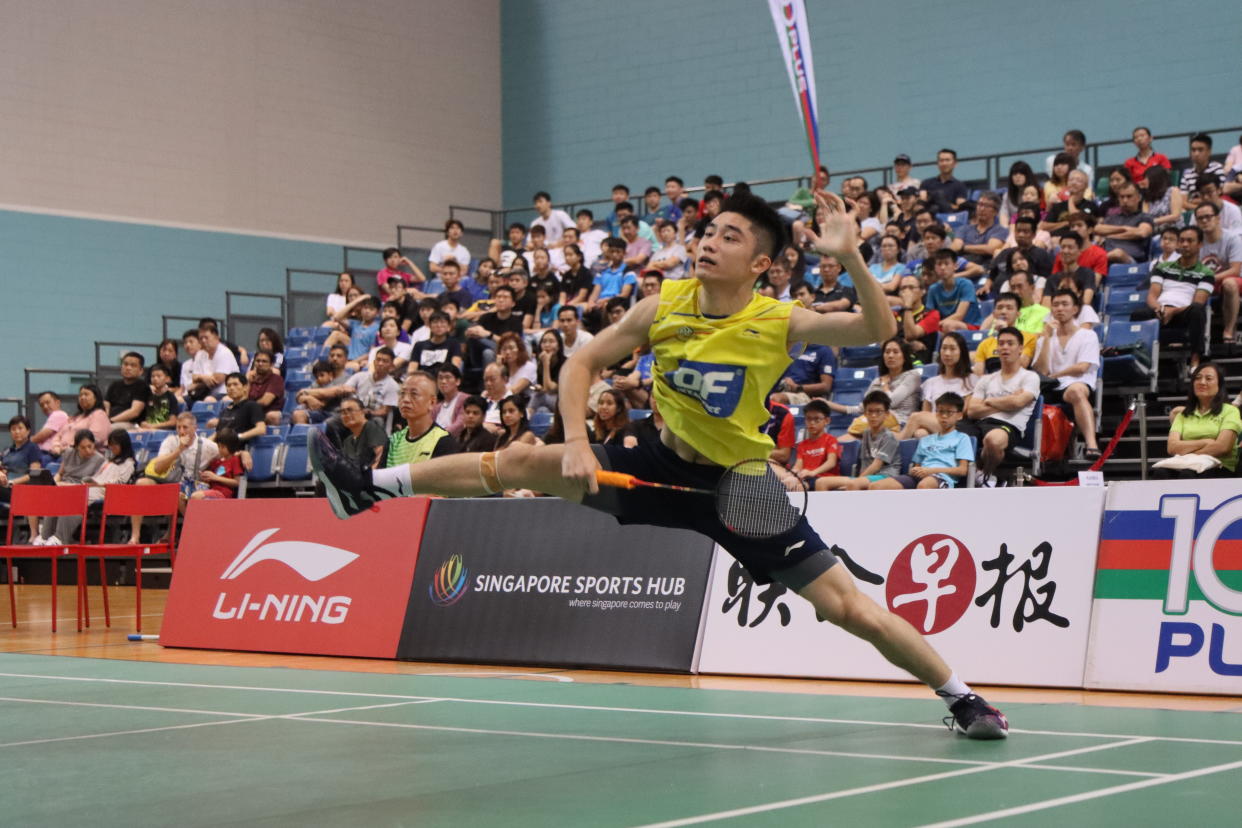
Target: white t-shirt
x=402, y=350
x=371, y=393
x=933, y=387
x=336, y=303
x=581, y=339
x=590, y=243
x=995, y=385
x=1082, y=346
x=221, y=362
x=554, y=225
x=1087, y=316
x=442, y=250
x=198, y=365
x=183, y=467
x=526, y=372
x=674, y=251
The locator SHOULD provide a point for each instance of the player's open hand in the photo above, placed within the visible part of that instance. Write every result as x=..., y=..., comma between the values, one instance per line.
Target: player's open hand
x=838, y=231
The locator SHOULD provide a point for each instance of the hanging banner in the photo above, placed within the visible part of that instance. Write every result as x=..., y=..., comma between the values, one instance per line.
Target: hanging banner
x=1168, y=593
x=795, y=41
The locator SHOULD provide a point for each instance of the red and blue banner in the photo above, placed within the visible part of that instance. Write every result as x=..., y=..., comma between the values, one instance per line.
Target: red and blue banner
x=795, y=41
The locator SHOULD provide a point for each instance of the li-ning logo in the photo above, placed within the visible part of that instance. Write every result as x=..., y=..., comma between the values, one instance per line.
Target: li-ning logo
x=450, y=582
x=718, y=387
x=313, y=561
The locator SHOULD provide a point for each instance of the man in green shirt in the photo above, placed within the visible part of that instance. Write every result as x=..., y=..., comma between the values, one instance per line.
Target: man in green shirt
x=1031, y=314
x=421, y=439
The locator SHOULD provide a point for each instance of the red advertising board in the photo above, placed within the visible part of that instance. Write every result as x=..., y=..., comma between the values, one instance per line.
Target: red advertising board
x=287, y=576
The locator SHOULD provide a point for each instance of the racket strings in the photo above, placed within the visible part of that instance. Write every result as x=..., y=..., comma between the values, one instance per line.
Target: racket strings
x=753, y=501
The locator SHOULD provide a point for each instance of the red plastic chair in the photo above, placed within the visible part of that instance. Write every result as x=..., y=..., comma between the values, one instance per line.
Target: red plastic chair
x=49, y=502
x=127, y=501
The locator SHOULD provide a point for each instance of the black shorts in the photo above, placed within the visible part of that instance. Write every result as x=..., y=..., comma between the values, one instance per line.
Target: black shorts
x=991, y=424
x=795, y=558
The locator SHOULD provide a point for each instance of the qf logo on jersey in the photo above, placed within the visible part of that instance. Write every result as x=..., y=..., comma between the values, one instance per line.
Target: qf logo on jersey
x=718, y=387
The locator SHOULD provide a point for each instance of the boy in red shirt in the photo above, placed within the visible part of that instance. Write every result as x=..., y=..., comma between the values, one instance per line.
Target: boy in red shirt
x=819, y=452
x=226, y=473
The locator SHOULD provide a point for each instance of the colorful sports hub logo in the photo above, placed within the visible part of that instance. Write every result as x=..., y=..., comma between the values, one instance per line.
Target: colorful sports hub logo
x=450, y=583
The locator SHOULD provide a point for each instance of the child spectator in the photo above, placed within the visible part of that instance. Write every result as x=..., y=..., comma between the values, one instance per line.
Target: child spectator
x=942, y=458
x=954, y=298
x=316, y=403
x=267, y=388
x=955, y=376
x=127, y=397
x=393, y=260
x=220, y=481
x=614, y=280
x=817, y=455
x=162, y=408
x=880, y=453
x=474, y=437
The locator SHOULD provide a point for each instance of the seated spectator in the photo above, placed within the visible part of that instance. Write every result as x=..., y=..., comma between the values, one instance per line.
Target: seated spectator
x=474, y=436
x=889, y=270
x=1201, y=163
x=942, y=458
x=1206, y=426
x=320, y=401
x=808, y=375
x=1092, y=255
x=954, y=376
x=520, y=368
x=507, y=254
x=636, y=382
x=482, y=337
x=572, y=335
x=780, y=427
x=438, y=348
x=879, y=456
x=374, y=387
x=1020, y=177
x=1087, y=318
x=1056, y=188
x=336, y=299
x=389, y=337
x=1168, y=246
x=241, y=415
x=552, y=221
x=1032, y=312
x=870, y=214
x=542, y=273
x=161, y=410
x=1077, y=200
x=118, y=467
x=546, y=308
x=221, y=480
x=1073, y=143
x=179, y=460
x=421, y=439
x=1221, y=252
x=360, y=437
x=1145, y=158
x=78, y=464
x=189, y=389
x=674, y=191
x=1041, y=239
x=801, y=203
x=54, y=419
x=577, y=280
x=954, y=298
x=495, y=389
x=651, y=209
x=1071, y=356
x=393, y=260
x=1110, y=205
x=1026, y=253
x=980, y=239
x=1084, y=279
x=613, y=281
x=1126, y=234
x=271, y=341
x=1001, y=405
x=362, y=331
x=218, y=362
x=91, y=415
x=1209, y=191
x=450, y=273
x=448, y=411
x=670, y=257
x=127, y=397
x=775, y=282
x=933, y=242
x=917, y=324
x=644, y=230
x=422, y=324
x=804, y=295
x=1004, y=314
x=611, y=424
x=166, y=355
x=637, y=250
x=832, y=296
x=900, y=382
x=19, y=459
x=449, y=248
x=401, y=306
x=267, y=388
x=818, y=455
x=589, y=239
x=1161, y=200
x=1180, y=291
x=651, y=282
x=944, y=193
x=516, y=428
x=548, y=362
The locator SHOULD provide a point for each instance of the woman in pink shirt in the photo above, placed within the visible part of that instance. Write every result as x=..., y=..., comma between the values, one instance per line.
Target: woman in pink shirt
x=91, y=415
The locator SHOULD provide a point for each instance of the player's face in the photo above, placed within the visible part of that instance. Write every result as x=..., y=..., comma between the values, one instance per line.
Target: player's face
x=728, y=251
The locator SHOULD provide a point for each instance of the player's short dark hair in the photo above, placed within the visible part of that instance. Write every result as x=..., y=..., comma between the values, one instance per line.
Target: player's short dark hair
x=952, y=400
x=877, y=398
x=767, y=225
x=818, y=406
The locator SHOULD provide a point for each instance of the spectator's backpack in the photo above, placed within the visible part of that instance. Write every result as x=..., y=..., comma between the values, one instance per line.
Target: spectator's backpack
x=1057, y=430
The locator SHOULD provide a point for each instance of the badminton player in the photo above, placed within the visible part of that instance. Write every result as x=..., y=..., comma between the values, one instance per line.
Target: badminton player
x=719, y=348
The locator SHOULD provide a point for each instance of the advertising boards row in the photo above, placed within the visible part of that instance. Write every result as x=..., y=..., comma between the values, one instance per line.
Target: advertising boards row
x=1137, y=586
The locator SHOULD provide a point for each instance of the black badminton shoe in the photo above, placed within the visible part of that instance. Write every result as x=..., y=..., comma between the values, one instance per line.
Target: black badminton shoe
x=346, y=481
x=971, y=716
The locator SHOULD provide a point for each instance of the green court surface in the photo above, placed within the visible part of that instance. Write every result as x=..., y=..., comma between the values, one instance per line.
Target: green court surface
x=104, y=742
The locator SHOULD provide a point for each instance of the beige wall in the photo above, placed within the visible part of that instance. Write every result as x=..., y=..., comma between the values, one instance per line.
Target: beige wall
x=335, y=119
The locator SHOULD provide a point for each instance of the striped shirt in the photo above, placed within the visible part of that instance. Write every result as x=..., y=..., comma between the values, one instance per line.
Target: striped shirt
x=1178, y=284
x=1190, y=176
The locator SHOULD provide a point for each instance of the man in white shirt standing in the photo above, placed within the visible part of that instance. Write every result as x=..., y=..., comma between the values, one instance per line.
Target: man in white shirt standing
x=1070, y=355
x=1001, y=404
x=552, y=221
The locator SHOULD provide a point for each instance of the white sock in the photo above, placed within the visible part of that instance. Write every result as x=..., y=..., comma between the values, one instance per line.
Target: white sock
x=952, y=689
x=395, y=479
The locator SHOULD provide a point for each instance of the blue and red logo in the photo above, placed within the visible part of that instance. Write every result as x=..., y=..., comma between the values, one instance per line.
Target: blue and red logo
x=450, y=583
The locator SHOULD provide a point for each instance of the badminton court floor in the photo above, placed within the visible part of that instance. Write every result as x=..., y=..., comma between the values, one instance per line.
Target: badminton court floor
x=107, y=742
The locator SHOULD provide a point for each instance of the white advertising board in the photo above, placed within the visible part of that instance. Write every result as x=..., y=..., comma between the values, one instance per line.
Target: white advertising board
x=999, y=580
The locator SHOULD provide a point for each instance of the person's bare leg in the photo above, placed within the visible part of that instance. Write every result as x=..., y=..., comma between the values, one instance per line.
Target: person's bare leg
x=1229, y=301
x=924, y=421
x=1079, y=396
x=838, y=600
x=517, y=467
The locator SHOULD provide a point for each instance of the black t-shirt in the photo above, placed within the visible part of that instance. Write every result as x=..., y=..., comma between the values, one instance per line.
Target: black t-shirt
x=461, y=296
x=483, y=440
x=160, y=408
x=576, y=280
x=428, y=354
x=121, y=395
x=526, y=304
x=837, y=293
x=499, y=326
x=241, y=416
x=550, y=282
x=1084, y=279
x=942, y=194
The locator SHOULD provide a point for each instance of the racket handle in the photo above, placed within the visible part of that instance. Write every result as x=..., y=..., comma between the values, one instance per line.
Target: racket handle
x=616, y=479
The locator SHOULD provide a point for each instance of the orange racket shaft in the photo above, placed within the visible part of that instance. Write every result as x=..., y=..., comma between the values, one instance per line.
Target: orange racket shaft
x=620, y=480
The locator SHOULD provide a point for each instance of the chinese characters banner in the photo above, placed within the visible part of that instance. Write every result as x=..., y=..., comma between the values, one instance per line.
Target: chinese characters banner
x=999, y=580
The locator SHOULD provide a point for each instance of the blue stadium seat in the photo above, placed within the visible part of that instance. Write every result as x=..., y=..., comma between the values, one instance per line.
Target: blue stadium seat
x=295, y=459
x=953, y=220
x=265, y=452
x=433, y=287
x=639, y=414
x=907, y=454
x=929, y=371
x=986, y=306
x=849, y=457
x=297, y=337
x=540, y=422
x=1121, y=303
x=1128, y=369
x=205, y=411
x=973, y=338
x=1126, y=277
x=852, y=355
x=855, y=379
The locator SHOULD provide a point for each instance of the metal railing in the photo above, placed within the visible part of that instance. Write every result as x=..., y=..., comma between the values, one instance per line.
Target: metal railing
x=246, y=325
x=172, y=327
x=108, y=365
x=73, y=379
x=306, y=307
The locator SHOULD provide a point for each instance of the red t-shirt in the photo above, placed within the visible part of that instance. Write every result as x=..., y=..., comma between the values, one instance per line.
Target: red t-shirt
x=814, y=451
x=780, y=427
x=230, y=467
x=928, y=319
x=1093, y=257
x=1137, y=168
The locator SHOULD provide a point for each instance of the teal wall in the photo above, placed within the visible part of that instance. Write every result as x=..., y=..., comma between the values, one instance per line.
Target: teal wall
x=598, y=92
x=67, y=283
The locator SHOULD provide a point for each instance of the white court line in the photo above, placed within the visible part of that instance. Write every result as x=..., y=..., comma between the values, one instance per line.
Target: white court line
x=123, y=733
x=1082, y=797
x=137, y=707
x=884, y=786
x=604, y=709
x=500, y=674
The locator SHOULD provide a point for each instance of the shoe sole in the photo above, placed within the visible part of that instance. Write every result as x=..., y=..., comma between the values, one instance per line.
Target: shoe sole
x=982, y=729
x=334, y=496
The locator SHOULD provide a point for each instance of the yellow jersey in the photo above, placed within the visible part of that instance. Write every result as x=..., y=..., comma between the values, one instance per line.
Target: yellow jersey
x=712, y=375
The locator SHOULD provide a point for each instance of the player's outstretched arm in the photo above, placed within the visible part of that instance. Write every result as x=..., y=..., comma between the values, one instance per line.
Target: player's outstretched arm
x=609, y=346
x=838, y=237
